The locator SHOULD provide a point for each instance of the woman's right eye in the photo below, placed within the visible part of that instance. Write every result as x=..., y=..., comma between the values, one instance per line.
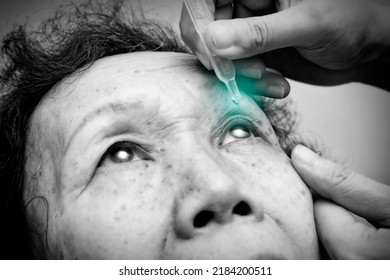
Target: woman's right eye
x=241, y=129
x=123, y=152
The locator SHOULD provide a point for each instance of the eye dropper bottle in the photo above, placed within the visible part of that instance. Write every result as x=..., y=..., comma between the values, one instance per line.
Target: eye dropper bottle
x=224, y=68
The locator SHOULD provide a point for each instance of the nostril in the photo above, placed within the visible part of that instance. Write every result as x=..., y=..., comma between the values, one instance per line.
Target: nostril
x=203, y=218
x=242, y=209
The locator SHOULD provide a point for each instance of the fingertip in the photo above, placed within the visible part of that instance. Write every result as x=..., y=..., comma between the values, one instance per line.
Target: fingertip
x=305, y=162
x=303, y=155
x=273, y=85
x=282, y=88
x=276, y=91
x=287, y=88
x=252, y=68
x=282, y=82
x=294, y=153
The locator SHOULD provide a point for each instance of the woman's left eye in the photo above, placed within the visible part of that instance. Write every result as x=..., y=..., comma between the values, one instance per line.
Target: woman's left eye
x=236, y=132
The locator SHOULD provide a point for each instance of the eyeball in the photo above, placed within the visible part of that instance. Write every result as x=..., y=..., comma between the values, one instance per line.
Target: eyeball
x=123, y=152
x=235, y=133
x=239, y=131
x=121, y=155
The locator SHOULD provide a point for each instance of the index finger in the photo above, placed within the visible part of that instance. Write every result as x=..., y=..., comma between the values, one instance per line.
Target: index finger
x=359, y=194
x=242, y=8
x=256, y=5
x=223, y=9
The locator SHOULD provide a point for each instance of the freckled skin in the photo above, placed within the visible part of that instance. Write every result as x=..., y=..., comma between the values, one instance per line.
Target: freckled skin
x=149, y=208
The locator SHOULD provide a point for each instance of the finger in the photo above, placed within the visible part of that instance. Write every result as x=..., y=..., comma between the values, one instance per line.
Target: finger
x=346, y=238
x=241, y=11
x=219, y=3
x=283, y=4
x=270, y=85
x=357, y=193
x=223, y=9
x=252, y=68
x=255, y=5
x=256, y=79
x=286, y=61
x=239, y=38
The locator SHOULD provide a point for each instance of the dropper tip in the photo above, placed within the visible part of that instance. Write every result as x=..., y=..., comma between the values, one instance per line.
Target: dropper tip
x=236, y=100
x=233, y=89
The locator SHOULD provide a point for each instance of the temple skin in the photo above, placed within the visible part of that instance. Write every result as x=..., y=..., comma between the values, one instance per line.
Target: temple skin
x=189, y=175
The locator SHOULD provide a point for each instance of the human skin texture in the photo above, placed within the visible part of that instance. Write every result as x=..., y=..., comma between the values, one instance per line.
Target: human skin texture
x=145, y=156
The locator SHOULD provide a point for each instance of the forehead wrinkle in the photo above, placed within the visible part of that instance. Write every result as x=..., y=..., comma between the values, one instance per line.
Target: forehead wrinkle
x=167, y=124
x=111, y=107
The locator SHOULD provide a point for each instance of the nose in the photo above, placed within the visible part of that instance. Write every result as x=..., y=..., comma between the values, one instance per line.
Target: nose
x=213, y=197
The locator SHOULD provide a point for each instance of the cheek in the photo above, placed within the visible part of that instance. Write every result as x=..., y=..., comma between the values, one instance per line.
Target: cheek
x=121, y=214
x=272, y=179
x=269, y=170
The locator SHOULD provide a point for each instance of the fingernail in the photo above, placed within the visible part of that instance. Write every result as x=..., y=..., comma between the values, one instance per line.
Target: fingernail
x=221, y=35
x=303, y=154
x=253, y=71
x=257, y=71
x=276, y=91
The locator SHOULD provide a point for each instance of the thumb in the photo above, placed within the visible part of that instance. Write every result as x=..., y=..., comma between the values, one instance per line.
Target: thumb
x=355, y=192
x=246, y=37
x=346, y=237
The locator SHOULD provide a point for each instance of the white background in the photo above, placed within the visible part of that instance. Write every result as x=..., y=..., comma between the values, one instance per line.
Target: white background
x=281, y=270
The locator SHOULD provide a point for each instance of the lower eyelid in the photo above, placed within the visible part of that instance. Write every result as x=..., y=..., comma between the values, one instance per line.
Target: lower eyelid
x=125, y=166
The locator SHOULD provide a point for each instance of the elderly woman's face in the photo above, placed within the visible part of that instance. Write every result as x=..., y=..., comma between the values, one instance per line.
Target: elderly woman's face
x=145, y=156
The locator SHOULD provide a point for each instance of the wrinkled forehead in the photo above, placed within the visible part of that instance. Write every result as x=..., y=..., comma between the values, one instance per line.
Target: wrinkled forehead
x=141, y=73
x=144, y=84
x=148, y=79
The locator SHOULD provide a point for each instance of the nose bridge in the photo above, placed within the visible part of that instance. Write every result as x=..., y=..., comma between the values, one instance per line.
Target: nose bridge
x=195, y=156
x=208, y=170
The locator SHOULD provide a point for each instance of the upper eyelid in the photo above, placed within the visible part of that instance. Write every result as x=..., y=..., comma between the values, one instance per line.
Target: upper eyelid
x=228, y=122
x=129, y=138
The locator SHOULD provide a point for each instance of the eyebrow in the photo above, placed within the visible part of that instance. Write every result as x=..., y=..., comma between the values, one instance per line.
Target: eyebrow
x=111, y=107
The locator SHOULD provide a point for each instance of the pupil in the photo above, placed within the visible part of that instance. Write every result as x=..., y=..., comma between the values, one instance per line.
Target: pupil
x=122, y=156
x=239, y=131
